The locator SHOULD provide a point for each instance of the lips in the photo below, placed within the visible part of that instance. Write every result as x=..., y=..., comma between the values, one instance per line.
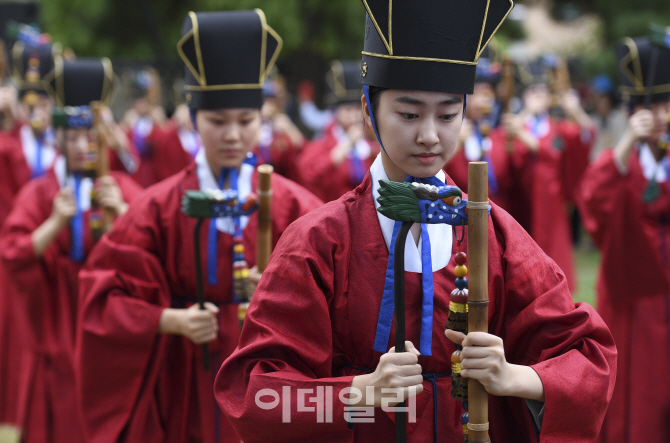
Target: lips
x=426, y=158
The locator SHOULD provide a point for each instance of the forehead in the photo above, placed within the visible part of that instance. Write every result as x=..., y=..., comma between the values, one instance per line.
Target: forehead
x=426, y=97
x=227, y=113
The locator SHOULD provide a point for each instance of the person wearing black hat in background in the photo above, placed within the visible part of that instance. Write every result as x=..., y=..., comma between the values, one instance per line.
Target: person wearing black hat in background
x=336, y=163
x=480, y=138
x=311, y=332
x=44, y=242
x=143, y=129
x=549, y=155
x=28, y=151
x=139, y=362
x=625, y=205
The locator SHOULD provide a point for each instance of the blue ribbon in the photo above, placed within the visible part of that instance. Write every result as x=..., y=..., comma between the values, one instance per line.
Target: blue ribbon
x=213, y=237
x=140, y=141
x=38, y=170
x=486, y=156
x=388, y=301
x=356, y=169
x=77, y=225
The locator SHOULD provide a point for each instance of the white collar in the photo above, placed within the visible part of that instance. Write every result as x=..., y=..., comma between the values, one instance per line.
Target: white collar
x=29, y=145
x=207, y=181
x=190, y=140
x=440, y=234
x=650, y=167
x=67, y=181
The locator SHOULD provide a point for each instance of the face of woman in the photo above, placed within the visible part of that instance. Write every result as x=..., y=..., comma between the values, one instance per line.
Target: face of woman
x=419, y=130
x=228, y=135
x=660, y=112
x=76, y=143
x=537, y=99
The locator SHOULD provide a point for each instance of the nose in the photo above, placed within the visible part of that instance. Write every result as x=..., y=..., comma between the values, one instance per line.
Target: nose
x=231, y=133
x=428, y=134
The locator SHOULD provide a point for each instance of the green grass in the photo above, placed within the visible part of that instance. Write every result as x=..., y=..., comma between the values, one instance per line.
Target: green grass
x=587, y=260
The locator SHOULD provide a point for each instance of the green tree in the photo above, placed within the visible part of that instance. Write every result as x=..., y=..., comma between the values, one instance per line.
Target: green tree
x=151, y=28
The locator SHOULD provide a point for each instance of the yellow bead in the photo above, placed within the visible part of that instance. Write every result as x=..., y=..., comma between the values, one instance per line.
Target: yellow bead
x=239, y=249
x=461, y=271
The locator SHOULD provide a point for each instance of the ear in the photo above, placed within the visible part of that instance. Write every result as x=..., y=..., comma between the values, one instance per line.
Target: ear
x=366, y=111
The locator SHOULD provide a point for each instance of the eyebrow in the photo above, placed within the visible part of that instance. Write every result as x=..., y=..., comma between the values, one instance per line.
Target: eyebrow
x=413, y=101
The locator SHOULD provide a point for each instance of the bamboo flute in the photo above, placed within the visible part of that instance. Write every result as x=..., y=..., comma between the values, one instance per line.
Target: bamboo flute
x=478, y=298
x=102, y=160
x=264, y=243
x=264, y=233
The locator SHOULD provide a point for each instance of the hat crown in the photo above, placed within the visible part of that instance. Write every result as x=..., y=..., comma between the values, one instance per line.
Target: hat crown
x=635, y=59
x=344, y=81
x=227, y=51
x=410, y=36
x=81, y=81
x=30, y=64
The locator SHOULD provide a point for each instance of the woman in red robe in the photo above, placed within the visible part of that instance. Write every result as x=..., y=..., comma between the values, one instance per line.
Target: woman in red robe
x=139, y=360
x=625, y=205
x=336, y=162
x=45, y=240
x=309, y=336
x=549, y=158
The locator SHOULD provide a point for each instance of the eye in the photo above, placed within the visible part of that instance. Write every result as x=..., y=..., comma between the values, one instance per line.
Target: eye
x=246, y=122
x=409, y=116
x=448, y=117
x=452, y=201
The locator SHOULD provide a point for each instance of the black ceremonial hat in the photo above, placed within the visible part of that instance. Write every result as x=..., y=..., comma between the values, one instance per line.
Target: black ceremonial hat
x=30, y=64
x=428, y=45
x=635, y=63
x=532, y=73
x=344, y=82
x=81, y=81
x=228, y=55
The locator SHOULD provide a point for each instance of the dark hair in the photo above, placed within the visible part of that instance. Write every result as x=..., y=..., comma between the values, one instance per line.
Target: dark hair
x=375, y=92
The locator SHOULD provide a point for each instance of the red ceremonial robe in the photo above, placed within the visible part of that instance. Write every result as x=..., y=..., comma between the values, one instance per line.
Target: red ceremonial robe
x=633, y=294
x=278, y=150
x=14, y=173
x=135, y=385
x=312, y=324
x=46, y=306
x=325, y=179
x=173, y=157
x=146, y=174
x=544, y=184
x=457, y=168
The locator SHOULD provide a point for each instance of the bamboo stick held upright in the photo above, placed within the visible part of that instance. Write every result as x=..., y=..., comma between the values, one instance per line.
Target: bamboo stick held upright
x=102, y=162
x=478, y=298
x=264, y=243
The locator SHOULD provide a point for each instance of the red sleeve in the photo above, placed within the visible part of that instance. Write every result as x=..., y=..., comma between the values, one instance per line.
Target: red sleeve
x=567, y=344
x=129, y=164
x=320, y=175
x=575, y=158
x=290, y=309
x=33, y=207
x=123, y=291
x=624, y=229
x=170, y=155
x=600, y=191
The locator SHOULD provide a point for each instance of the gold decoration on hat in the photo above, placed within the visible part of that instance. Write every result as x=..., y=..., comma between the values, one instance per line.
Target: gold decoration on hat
x=199, y=73
x=388, y=43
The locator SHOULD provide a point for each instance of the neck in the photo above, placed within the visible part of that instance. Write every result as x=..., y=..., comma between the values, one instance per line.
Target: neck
x=393, y=172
